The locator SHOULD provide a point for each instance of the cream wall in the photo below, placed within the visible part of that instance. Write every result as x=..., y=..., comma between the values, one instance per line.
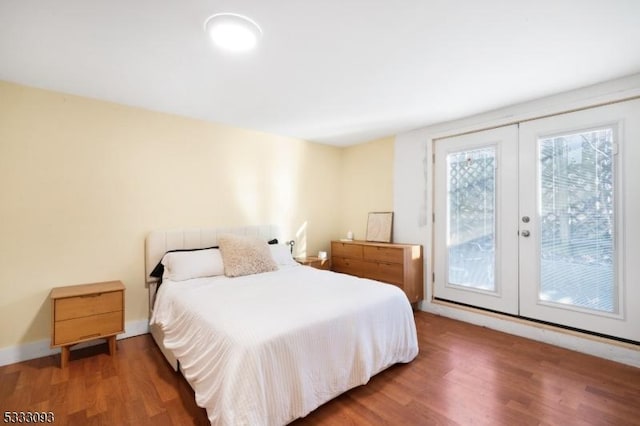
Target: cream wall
x=366, y=186
x=84, y=181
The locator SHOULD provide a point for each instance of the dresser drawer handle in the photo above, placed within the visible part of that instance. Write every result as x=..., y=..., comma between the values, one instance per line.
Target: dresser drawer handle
x=91, y=295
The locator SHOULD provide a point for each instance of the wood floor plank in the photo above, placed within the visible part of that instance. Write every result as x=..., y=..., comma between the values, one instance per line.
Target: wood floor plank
x=463, y=375
x=8, y=384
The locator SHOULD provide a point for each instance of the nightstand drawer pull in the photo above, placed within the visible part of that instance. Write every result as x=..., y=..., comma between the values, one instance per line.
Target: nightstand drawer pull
x=88, y=336
x=84, y=296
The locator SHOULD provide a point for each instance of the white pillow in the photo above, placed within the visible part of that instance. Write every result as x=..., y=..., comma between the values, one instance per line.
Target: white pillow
x=281, y=253
x=184, y=265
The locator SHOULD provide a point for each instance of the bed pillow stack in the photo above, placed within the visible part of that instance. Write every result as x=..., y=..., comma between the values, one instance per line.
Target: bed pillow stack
x=244, y=256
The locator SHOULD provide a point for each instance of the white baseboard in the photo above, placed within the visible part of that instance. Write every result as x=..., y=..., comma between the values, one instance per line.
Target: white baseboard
x=42, y=348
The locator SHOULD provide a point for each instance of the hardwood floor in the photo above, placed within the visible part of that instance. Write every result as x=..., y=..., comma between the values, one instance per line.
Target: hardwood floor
x=463, y=375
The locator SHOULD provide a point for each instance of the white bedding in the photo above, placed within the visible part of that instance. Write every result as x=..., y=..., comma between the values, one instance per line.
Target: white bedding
x=268, y=348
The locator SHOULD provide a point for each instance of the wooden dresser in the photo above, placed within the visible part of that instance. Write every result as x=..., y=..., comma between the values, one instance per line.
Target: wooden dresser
x=85, y=312
x=399, y=264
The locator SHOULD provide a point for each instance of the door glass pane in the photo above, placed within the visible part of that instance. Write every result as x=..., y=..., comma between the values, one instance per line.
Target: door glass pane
x=471, y=200
x=576, y=187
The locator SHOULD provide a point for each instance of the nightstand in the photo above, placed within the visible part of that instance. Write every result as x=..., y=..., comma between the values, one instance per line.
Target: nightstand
x=315, y=262
x=84, y=312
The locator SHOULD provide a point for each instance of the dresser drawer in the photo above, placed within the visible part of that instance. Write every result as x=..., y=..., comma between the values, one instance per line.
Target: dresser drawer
x=384, y=254
x=85, y=328
x=86, y=305
x=392, y=273
x=348, y=266
x=346, y=250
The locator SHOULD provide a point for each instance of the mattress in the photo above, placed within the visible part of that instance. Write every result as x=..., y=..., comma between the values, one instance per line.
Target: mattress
x=268, y=348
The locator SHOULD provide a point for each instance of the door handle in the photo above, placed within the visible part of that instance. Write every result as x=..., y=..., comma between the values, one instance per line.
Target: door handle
x=525, y=233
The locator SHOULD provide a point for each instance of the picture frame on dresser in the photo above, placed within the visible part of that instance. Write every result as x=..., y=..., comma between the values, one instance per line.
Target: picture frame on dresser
x=379, y=227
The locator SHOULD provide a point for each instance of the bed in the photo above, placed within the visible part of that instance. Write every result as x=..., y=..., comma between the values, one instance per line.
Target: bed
x=267, y=348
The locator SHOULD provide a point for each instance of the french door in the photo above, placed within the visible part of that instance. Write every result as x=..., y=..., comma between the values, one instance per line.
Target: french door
x=540, y=219
x=476, y=245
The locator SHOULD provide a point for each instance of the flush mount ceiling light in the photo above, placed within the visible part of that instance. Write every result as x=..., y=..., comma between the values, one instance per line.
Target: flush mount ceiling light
x=231, y=31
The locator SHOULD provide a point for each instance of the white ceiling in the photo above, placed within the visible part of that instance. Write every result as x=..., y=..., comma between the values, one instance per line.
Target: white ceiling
x=332, y=71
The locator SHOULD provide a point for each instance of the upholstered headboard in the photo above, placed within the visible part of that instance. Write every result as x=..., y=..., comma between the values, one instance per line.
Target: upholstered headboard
x=159, y=242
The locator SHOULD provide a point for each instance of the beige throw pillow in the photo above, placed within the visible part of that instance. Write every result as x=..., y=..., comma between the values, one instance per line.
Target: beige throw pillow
x=243, y=255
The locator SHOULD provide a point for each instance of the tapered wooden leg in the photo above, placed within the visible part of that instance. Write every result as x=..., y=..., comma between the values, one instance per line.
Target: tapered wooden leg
x=64, y=357
x=112, y=345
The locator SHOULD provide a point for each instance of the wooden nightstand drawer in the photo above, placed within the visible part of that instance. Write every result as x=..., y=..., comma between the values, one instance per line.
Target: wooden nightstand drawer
x=384, y=254
x=86, y=305
x=87, y=328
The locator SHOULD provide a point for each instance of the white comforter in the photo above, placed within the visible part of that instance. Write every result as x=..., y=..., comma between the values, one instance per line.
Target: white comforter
x=266, y=349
